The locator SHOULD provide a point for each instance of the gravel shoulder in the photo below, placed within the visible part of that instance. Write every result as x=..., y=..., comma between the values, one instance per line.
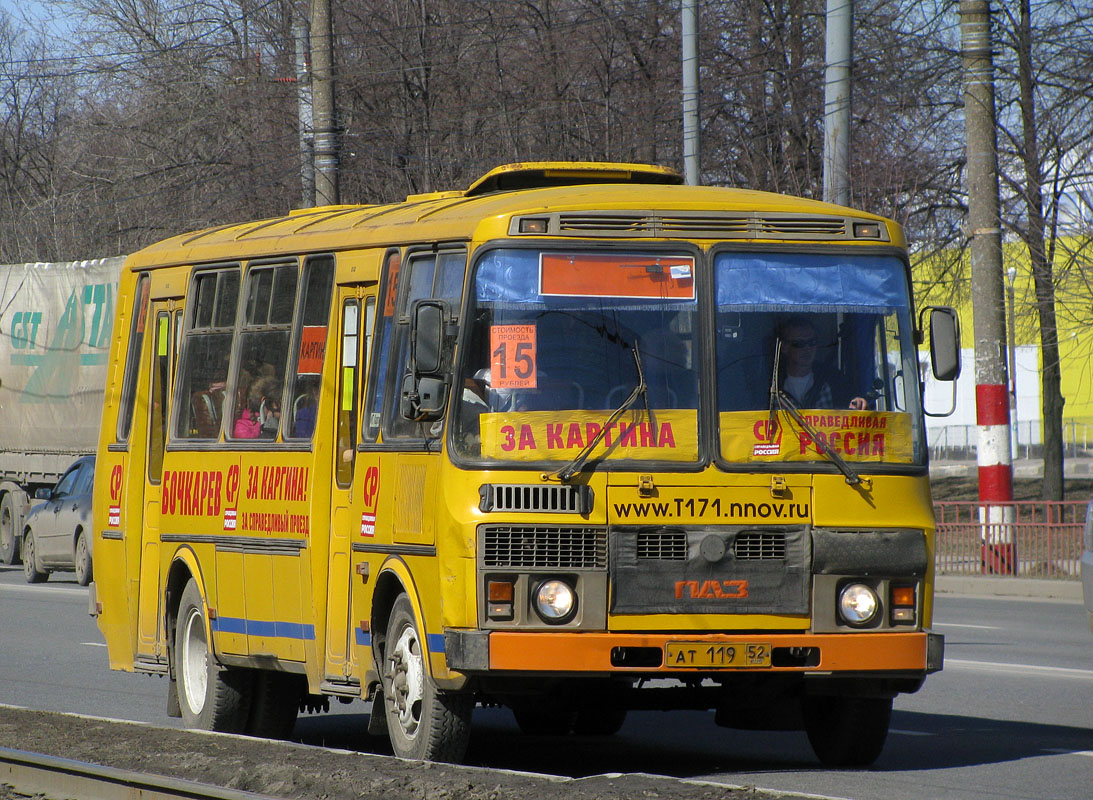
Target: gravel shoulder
x=301, y=772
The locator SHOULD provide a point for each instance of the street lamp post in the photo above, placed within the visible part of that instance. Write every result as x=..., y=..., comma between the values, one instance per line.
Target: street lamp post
x=1011, y=276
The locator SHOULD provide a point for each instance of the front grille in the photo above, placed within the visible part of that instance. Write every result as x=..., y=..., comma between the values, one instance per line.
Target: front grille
x=662, y=545
x=538, y=547
x=760, y=546
x=523, y=497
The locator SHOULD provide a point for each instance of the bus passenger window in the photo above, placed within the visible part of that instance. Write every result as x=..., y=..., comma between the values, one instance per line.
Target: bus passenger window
x=310, y=352
x=206, y=349
x=270, y=295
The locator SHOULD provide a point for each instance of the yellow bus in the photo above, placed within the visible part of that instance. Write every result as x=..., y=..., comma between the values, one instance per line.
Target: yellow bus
x=577, y=440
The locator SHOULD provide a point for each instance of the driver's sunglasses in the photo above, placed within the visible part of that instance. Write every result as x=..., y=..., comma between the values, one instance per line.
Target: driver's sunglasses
x=801, y=344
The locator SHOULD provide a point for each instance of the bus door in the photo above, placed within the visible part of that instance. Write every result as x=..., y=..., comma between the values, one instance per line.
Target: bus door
x=356, y=317
x=165, y=317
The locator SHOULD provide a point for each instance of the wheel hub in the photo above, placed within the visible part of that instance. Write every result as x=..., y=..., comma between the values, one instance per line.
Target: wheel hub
x=406, y=678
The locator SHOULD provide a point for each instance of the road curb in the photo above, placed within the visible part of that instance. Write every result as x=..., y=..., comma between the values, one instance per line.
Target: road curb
x=1032, y=588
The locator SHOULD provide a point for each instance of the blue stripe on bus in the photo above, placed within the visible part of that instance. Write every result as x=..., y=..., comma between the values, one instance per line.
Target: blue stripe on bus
x=253, y=627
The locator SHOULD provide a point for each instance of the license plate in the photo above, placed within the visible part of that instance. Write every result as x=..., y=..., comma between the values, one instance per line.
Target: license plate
x=707, y=655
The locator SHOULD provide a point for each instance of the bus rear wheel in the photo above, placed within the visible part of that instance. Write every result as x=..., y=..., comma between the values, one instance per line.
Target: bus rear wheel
x=847, y=731
x=423, y=723
x=210, y=697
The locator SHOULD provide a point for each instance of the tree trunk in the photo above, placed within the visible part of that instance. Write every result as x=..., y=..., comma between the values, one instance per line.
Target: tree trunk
x=1043, y=279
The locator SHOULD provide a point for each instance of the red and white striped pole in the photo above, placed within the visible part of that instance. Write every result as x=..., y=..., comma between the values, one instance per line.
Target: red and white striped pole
x=988, y=304
x=993, y=456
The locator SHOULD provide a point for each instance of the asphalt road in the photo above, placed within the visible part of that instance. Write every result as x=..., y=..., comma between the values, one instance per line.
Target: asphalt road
x=1011, y=716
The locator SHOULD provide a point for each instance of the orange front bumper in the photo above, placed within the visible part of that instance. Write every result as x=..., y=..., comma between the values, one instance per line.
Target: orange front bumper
x=592, y=652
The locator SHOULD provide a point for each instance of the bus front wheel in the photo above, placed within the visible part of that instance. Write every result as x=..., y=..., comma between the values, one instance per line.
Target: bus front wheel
x=847, y=731
x=423, y=723
x=211, y=697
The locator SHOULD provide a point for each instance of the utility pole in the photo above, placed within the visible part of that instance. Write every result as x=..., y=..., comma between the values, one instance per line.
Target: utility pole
x=689, y=29
x=993, y=454
x=840, y=25
x=322, y=89
x=304, y=120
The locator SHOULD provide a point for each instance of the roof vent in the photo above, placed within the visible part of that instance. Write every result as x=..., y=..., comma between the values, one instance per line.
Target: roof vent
x=544, y=174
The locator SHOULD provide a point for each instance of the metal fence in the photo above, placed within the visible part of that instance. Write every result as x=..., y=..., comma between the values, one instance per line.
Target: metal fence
x=1040, y=539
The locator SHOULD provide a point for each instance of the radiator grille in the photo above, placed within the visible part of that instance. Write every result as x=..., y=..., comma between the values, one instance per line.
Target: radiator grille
x=662, y=545
x=552, y=499
x=513, y=546
x=760, y=546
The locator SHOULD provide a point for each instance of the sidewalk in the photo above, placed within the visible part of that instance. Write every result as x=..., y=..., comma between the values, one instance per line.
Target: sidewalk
x=1023, y=468
x=997, y=586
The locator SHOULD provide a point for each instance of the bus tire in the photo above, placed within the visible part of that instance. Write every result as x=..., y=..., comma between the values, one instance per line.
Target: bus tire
x=847, y=731
x=275, y=705
x=9, y=542
x=83, y=559
x=423, y=723
x=31, y=570
x=211, y=697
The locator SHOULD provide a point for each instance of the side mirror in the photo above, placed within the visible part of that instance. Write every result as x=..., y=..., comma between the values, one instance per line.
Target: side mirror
x=424, y=387
x=945, y=343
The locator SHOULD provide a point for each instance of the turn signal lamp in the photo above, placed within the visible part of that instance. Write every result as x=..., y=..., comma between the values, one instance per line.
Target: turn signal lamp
x=500, y=594
x=903, y=604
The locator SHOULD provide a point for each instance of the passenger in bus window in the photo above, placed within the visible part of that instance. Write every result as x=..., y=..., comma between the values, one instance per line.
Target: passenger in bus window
x=270, y=417
x=808, y=380
x=248, y=426
x=305, y=409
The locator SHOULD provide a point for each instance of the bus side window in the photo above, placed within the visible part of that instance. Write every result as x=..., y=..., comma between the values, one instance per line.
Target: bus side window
x=137, y=323
x=206, y=349
x=161, y=376
x=270, y=298
x=429, y=275
x=313, y=320
x=386, y=323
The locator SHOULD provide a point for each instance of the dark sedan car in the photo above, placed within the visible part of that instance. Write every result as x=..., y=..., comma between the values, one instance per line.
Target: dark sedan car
x=57, y=532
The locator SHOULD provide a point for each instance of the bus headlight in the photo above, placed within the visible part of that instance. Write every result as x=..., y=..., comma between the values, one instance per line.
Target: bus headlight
x=858, y=604
x=555, y=601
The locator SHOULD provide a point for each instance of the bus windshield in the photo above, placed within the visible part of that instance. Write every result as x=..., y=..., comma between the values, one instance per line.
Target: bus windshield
x=559, y=341
x=828, y=334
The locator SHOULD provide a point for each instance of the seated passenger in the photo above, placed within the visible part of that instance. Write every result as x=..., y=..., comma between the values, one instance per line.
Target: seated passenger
x=248, y=426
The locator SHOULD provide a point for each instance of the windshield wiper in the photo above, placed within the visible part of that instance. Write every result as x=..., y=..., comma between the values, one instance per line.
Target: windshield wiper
x=574, y=467
x=779, y=399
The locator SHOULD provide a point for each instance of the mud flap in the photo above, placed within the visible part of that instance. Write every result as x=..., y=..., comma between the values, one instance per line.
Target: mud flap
x=377, y=717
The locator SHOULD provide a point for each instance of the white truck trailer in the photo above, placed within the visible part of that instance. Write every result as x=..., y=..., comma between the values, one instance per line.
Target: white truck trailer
x=55, y=321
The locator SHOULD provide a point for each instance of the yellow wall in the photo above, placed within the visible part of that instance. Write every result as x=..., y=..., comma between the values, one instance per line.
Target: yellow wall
x=946, y=280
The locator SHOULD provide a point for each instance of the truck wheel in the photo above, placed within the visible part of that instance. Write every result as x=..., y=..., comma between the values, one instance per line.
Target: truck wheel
x=423, y=723
x=83, y=559
x=9, y=542
x=30, y=560
x=210, y=697
x=847, y=731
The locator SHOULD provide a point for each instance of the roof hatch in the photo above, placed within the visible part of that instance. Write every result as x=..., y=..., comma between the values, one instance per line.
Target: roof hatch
x=541, y=174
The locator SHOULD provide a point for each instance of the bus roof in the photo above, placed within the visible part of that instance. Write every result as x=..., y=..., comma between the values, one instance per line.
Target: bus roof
x=616, y=199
